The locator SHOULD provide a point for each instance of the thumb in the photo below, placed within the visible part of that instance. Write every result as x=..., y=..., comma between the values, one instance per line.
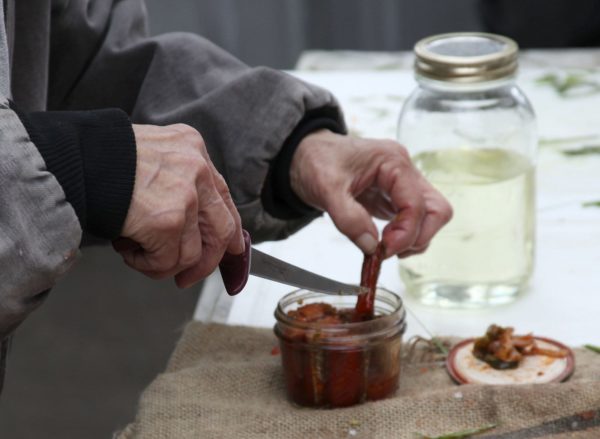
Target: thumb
x=353, y=220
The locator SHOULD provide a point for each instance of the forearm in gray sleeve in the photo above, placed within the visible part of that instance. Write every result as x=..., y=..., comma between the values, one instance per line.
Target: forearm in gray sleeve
x=39, y=231
x=244, y=114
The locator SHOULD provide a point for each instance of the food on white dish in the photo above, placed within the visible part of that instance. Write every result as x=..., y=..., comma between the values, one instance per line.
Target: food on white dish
x=500, y=357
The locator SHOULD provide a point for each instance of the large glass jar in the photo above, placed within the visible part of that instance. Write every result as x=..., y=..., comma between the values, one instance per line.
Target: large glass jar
x=342, y=364
x=471, y=131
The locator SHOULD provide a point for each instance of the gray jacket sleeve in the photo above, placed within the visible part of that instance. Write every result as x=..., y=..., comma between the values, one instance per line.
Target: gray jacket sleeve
x=39, y=231
x=244, y=114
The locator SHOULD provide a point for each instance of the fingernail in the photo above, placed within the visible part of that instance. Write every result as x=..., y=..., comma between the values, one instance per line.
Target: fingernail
x=367, y=243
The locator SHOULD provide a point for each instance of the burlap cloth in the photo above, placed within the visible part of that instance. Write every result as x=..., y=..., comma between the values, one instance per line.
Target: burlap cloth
x=224, y=382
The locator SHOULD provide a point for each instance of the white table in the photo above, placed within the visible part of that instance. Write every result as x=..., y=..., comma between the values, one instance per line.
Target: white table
x=564, y=297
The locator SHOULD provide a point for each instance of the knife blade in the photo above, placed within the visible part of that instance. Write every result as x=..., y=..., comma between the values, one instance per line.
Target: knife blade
x=235, y=270
x=271, y=268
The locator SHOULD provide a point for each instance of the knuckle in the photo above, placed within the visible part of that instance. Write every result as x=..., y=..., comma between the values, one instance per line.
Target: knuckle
x=395, y=173
x=391, y=148
x=401, y=158
x=189, y=198
x=190, y=259
x=446, y=212
x=199, y=165
x=413, y=211
x=171, y=222
x=192, y=166
x=393, y=176
x=224, y=191
x=392, y=145
x=188, y=135
x=229, y=228
x=225, y=230
x=183, y=128
x=195, y=139
x=402, y=152
x=220, y=181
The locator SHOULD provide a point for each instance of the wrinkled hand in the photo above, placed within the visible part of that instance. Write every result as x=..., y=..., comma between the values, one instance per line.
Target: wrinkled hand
x=181, y=219
x=354, y=179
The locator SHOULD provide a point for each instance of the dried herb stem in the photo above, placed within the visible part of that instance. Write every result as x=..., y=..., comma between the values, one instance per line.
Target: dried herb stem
x=435, y=340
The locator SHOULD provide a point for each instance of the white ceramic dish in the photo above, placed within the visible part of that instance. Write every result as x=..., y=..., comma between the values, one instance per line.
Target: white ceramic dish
x=465, y=368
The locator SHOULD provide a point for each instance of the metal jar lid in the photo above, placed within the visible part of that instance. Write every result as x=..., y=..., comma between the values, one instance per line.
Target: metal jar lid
x=466, y=57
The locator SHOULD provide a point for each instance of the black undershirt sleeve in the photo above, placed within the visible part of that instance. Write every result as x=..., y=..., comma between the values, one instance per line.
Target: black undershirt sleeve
x=278, y=197
x=92, y=154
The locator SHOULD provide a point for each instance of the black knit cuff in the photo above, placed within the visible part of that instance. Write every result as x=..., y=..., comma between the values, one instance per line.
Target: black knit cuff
x=92, y=154
x=278, y=197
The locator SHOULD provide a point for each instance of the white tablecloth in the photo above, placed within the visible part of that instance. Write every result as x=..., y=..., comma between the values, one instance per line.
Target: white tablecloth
x=564, y=297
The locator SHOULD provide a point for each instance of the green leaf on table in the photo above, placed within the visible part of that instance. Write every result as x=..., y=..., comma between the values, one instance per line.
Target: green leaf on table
x=591, y=204
x=591, y=347
x=584, y=150
x=460, y=434
x=564, y=85
x=561, y=140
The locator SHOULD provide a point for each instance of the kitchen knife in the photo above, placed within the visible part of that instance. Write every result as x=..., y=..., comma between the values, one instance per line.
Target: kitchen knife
x=235, y=270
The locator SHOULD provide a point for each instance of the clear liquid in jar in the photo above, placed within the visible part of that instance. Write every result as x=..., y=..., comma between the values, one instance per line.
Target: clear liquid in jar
x=484, y=256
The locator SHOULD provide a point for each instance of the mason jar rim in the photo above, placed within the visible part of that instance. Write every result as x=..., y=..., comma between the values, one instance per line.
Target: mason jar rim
x=466, y=57
x=395, y=319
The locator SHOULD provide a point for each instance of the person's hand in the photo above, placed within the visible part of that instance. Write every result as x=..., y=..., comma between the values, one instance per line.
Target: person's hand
x=354, y=179
x=181, y=219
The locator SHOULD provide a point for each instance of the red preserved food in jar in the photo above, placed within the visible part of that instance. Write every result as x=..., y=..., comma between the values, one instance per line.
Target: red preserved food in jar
x=332, y=360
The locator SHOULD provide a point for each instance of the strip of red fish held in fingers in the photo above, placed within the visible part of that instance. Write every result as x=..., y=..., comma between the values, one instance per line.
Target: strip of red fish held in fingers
x=365, y=305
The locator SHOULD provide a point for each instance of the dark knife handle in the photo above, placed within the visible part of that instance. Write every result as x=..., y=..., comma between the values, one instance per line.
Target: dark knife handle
x=235, y=269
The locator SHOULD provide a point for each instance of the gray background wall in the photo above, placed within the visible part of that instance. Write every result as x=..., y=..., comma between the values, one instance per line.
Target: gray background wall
x=274, y=32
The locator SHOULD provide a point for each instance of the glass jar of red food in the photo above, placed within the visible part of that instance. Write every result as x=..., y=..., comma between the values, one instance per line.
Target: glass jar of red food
x=328, y=359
